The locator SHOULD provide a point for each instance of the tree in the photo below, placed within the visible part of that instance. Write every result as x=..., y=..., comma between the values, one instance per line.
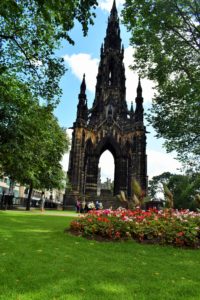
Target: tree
x=30, y=32
x=166, y=38
x=31, y=141
x=156, y=184
x=183, y=188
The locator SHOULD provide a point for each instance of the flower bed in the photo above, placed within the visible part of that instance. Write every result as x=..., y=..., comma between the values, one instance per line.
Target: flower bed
x=179, y=228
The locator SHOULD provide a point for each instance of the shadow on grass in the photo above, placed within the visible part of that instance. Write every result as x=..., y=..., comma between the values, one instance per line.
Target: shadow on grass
x=39, y=261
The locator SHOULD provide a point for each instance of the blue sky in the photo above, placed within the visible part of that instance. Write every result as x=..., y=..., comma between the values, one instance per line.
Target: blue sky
x=82, y=58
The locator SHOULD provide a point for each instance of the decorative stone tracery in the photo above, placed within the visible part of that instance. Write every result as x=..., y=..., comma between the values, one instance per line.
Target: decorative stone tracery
x=109, y=124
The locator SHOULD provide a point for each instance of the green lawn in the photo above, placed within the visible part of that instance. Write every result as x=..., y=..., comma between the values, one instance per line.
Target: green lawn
x=39, y=261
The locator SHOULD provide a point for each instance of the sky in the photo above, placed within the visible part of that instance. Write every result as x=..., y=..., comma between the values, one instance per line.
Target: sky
x=82, y=58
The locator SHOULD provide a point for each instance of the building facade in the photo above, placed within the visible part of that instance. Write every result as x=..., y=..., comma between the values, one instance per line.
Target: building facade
x=19, y=194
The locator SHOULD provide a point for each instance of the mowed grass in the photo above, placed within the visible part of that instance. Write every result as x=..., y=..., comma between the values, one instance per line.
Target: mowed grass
x=39, y=261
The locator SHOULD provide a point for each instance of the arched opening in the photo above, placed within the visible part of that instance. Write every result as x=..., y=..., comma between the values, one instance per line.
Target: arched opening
x=106, y=168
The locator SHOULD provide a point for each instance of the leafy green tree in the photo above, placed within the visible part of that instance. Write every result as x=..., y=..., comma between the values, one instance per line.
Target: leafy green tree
x=182, y=187
x=30, y=32
x=31, y=141
x=166, y=38
x=156, y=184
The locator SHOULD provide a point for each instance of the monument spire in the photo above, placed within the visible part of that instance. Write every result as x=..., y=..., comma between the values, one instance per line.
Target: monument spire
x=108, y=125
x=114, y=8
x=83, y=86
x=110, y=87
x=139, y=103
x=82, y=110
x=112, y=39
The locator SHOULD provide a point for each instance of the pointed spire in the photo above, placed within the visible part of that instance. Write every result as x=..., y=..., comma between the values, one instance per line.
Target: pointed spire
x=139, y=103
x=112, y=39
x=113, y=11
x=82, y=110
x=139, y=89
x=131, y=110
x=83, y=86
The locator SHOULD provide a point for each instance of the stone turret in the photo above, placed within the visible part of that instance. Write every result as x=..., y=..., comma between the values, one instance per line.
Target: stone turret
x=109, y=124
x=82, y=110
x=139, y=104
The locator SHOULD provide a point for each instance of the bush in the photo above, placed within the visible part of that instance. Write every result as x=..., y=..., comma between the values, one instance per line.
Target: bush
x=174, y=227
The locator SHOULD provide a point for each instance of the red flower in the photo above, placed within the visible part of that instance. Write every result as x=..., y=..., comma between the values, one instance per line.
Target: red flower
x=117, y=234
x=181, y=233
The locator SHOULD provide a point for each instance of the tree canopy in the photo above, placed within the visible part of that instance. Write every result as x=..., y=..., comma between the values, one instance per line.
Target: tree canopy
x=31, y=31
x=183, y=188
x=166, y=36
x=31, y=141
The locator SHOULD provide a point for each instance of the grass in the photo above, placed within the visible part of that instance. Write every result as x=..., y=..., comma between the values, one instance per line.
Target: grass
x=39, y=261
x=47, y=211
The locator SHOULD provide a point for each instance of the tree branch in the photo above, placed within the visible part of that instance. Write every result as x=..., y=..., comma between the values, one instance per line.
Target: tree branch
x=190, y=26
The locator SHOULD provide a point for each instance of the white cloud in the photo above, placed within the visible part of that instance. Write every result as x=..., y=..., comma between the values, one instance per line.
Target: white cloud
x=107, y=4
x=159, y=162
x=132, y=79
x=65, y=162
x=83, y=63
x=65, y=159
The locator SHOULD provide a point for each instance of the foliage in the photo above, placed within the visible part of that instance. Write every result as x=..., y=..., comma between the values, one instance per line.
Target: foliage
x=178, y=228
x=137, y=198
x=30, y=31
x=169, y=196
x=183, y=187
x=138, y=193
x=197, y=200
x=156, y=184
x=166, y=38
x=31, y=141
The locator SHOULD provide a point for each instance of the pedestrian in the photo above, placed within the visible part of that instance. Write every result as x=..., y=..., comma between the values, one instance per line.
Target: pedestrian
x=86, y=208
x=78, y=204
x=42, y=202
x=97, y=205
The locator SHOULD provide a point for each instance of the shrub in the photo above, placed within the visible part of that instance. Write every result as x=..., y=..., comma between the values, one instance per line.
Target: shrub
x=179, y=228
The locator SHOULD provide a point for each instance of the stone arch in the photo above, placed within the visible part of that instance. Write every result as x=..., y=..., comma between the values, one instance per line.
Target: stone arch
x=106, y=174
x=108, y=126
x=108, y=143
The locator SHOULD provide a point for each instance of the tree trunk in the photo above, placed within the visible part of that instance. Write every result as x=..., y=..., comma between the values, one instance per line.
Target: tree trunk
x=29, y=197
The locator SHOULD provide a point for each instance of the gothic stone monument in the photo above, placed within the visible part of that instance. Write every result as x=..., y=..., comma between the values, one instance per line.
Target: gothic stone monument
x=109, y=124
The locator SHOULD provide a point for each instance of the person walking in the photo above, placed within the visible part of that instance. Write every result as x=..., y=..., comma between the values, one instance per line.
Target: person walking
x=42, y=202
